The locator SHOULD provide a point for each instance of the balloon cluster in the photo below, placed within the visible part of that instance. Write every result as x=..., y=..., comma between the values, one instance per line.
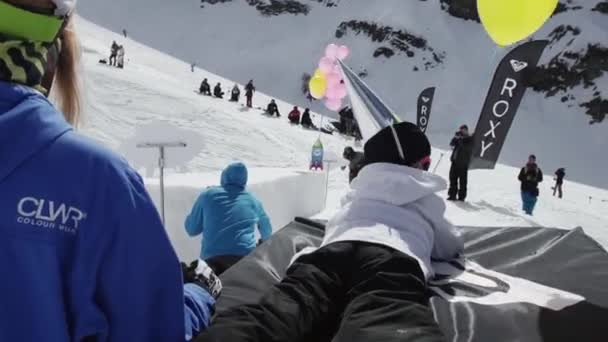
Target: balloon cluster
x=327, y=80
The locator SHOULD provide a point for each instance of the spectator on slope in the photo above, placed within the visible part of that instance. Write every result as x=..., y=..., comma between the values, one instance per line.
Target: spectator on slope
x=368, y=280
x=294, y=116
x=86, y=251
x=227, y=217
x=235, y=94
x=205, y=88
x=249, y=90
x=272, y=109
x=529, y=176
x=356, y=161
x=306, y=120
x=124, y=32
x=462, y=145
x=560, y=174
x=217, y=91
x=113, y=53
x=121, y=57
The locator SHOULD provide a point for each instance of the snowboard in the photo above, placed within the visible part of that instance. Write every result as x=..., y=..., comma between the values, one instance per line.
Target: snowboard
x=316, y=158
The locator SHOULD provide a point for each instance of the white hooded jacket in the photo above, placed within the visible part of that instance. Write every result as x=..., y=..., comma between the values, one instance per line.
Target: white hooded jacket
x=396, y=206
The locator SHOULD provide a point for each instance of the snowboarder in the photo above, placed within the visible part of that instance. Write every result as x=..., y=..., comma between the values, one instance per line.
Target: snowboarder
x=205, y=88
x=113, y=53
x=121, y=57
x=306, y=120
x=356, y=161
x=96, y=261
x=217, y=91
x=235, y=94
x=529, y=176
x=368, y=280
x=294, y=116
x=462, y=145
x=273, y=109
x=249, y=90
x=560, y=174
x=227, y=216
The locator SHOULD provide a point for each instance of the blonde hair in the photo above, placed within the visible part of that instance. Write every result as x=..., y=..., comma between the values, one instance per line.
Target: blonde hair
x=67, y=84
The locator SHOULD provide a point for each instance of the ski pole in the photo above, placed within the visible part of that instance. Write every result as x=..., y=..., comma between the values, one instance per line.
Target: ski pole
x=439, y=162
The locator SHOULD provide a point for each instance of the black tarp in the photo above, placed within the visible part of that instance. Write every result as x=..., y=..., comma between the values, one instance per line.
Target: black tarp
x=520, y=284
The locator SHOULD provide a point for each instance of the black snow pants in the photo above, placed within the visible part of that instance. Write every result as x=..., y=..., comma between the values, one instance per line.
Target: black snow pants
x=348, y=291
x=458, y=182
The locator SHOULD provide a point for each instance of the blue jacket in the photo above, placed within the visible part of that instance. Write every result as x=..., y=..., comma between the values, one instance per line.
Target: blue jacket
x=227, y=216
x=82, y=249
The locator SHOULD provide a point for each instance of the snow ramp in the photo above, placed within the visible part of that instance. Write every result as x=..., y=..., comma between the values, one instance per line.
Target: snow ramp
x=516, y=284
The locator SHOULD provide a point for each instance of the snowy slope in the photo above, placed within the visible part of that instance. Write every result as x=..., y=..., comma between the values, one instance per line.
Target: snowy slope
x=232, y=38
x=152, y=88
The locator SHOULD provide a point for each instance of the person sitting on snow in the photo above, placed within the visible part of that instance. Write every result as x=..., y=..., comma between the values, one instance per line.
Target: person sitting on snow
x=368, y=280
x=235, y=94
x=205, y=88
x=294, y=116
x=306, y=120
x=227, y=216
x=272, y=109
x=217, y=91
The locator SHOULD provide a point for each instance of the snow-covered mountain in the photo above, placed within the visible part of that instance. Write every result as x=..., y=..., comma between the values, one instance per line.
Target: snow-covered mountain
x=156, y=89
x=403, y=47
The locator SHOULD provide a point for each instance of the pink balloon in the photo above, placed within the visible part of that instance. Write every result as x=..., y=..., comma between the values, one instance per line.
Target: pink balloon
x=343, y=52
x=333, y=93
x=333, y=105
x=332, y=51
x=333, y=79
x=326, y=65
x=337, y=69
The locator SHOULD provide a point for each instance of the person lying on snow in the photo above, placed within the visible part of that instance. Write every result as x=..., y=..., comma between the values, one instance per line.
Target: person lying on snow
x=227, y=216
x=294, y=116
x=368, y=280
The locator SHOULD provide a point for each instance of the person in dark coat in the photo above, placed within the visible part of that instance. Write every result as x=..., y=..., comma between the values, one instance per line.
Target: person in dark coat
x=462, y=145
x=113, y=54
x=529, y=176
x=306, y=120
x=205, y=88
x=272, y=109
x=235, y=94
x=294, y=116
x=217, y=91
x=356, y=162
x=249, y=90
x=560, y=174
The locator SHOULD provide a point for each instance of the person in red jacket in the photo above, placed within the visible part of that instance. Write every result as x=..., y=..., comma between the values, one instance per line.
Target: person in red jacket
x=294, y=116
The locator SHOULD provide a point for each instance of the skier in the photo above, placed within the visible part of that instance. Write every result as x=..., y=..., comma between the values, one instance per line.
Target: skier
x=227, y=216
x=85, y=256
x=368, y=280
x=235, y=94
x=121, y=56
x=249, y=90
x=462, y=145
x=113, y=53
x=205, y=88
x=559, y=182
x=294, y=116
x=273, y=109
x=306, y=120
x=356, y=160
x=529, y=176
x=192, y=66
x=217, y=91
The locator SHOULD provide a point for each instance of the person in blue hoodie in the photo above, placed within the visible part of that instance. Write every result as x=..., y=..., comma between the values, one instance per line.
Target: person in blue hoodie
x=83, y=252
x=227, y=217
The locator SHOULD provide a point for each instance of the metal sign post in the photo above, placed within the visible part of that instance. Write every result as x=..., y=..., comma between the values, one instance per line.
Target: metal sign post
x=439, y=162
x=328, y=160
x=161, y=164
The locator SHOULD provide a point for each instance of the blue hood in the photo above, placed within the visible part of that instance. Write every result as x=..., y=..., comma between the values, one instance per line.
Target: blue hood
x=235, y=175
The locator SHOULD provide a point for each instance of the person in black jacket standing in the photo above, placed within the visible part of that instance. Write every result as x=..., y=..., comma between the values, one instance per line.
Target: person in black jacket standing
x=559, y=181
x=249, y=90
x=462, y=145
x=529, y=176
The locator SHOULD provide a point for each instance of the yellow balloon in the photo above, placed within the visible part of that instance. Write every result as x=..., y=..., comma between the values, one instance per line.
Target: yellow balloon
x=317, y=86
x=318, y=73
x=509, y=21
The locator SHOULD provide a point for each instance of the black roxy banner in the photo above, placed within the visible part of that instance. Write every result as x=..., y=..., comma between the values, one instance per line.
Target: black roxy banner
x=425, y=103
x=503, y=100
